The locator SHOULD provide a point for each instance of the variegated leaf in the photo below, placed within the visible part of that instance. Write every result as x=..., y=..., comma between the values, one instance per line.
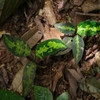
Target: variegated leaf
x=66, y=28
x=68, y=41
x=88, y=28
x=77, y=48
x=9, y=7
x=28, y=78
x=49, y=47
x=16, y=46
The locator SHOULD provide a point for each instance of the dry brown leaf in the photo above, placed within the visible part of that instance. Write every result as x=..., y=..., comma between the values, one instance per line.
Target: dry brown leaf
x=76, y=75
x=51, y=33
x=57, y=76
x=48, y=10
x=72, y=83
x=1, y=33
x=34, y=39
x=29, y=33
x=90, y=5
x=17, y=81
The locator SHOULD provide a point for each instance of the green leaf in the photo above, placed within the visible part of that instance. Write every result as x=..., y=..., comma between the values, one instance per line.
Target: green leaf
x=16, y=46
x=9, y=95
x=88, y=28
x=49, y=47
x=63, y=96
x=68, y=41
x=42, y=93
x=91, y=85
x=66, y=28
x=1, y=4
x=77, y=48
x=9, y=8
x=28, y=78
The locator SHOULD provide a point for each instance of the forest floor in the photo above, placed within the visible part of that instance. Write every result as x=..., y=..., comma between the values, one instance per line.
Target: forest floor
x=33, y=22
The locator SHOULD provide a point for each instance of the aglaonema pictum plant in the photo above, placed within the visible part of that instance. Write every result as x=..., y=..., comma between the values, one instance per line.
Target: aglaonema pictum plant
x=20, y=48
x=56, y=47
x=76, y=43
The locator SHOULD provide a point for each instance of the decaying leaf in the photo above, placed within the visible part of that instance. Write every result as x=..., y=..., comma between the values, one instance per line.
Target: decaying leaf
x=51, y=33
x=17, y=81
x=76, y=75
x=29, y=33
x=48, y=10
x=72, y=84
x=57, y=76
x=91, y=85
x=34, y=39
x=1, y=33
x=90, y=5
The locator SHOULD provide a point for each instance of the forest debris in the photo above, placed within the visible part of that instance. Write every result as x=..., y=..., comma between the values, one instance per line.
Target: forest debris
x=57, y=76
x=91, y=85
x=39, y=24
x=78, y=2
x=34, y=39
x=76, y=75
x=29, y=33
x=51, y=33
x=5, y=55
x=48, y=10
x=90, y=5
x=17, y=81
x=1, y=33
x=72, y=84
x=86, y=65
x=97, y=58
x=4, y=73
x=61, y=4
x=91, y=54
